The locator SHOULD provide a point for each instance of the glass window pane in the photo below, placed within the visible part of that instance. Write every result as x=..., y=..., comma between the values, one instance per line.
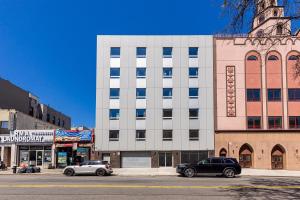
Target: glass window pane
x=167, y=52
x=167, y=113
x=193, y=92
x=140, y=135
x=193, y=113
x=141, y=72
x=167, y=72
x=253, y=94
x=193, y=52
x=141, y=93
x=167, y=134
x=4, y=124
x=115, y=52
x=274, y=94
x=114, y=135
x=141, y=52
x=140, y=113
x=114, y=93
x=194, y=134
x=167, y=93
x=114, y=114
x=114, y=72
x=193, y=72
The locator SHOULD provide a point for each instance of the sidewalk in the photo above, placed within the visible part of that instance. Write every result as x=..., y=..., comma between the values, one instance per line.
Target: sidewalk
x=169, y=172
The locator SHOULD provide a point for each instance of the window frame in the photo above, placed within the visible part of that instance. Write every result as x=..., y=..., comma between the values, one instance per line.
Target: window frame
x=165, y=51
x=294, y=90
x=168, y=97
x=114, y=68
x=297, y=125
x=194, y=131
x=140, y=117
x=140, y=97
x=253, y=96
x=273, y=118
x=110, y=93
x=167, y=110
x=191, y=110
x=137, y=133
x=194, y=76
x=111, y=139
x=114, y=118
x=141, y=76
x=167, y=76
x=272, y=94
x=193, y=97
x=193, y=55
x=2, y=123
x=141, y=55
x=117, y=55
x=167, y=131
x=254, y=118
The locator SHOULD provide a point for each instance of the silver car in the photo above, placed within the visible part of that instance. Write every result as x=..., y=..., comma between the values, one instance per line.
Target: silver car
x=97, y=167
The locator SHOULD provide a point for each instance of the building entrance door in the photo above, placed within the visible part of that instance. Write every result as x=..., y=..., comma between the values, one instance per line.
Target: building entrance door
x=39, y=158
x=165, y=159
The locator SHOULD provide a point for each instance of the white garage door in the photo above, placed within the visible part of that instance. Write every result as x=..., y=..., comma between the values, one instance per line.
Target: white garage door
x=136, y=160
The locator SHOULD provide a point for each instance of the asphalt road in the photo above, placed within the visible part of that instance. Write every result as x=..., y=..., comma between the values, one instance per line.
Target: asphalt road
x=59, y=187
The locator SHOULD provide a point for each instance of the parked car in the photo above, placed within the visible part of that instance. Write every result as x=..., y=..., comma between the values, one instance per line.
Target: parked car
x=228, y=167
x=97, y=167
x=29, y=169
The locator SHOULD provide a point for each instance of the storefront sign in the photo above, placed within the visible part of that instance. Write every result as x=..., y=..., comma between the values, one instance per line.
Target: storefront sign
x=28, y=136
x=73, y=135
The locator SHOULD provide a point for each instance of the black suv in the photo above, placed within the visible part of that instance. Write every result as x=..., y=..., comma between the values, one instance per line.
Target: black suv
x=229, y=167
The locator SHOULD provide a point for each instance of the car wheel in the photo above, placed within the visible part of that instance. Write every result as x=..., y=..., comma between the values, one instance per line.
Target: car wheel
x=100, y=172
x=229, y=173
x=189, y=172
x=69, y=172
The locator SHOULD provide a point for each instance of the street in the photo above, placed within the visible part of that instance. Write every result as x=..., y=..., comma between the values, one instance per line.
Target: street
x=44, y=187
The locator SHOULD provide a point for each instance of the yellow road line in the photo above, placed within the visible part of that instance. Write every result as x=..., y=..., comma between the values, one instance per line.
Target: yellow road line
x=149, y=186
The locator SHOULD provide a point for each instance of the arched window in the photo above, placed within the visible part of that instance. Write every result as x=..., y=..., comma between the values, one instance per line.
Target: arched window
x=273, y=57
x=252, y=58
x=261, y=18
x=275, y=13
x=279, y=29
x=294, y=57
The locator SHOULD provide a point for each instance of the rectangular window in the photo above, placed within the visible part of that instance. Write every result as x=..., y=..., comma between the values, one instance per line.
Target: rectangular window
x=193, y=52
x=167, y=72
x=194, y=135
x=114, y=72
x=141, y=93
x=253, y=94
x=115, y=52
x=140, y=113
x=254, y=122
x=141, y=52
x=294, y=122
x=4, y=124
x=274, y=94
x=140, y=135
x=167, y=52
x=114, y=135
x=141, y=72
x=167, y=113
x=294, y=94
x=193, y=113
x=275, y=122
x=114, y=114
x=114, y=93
x=167, y=93
x=167, y=135
x=193, y=72
x=193, y=93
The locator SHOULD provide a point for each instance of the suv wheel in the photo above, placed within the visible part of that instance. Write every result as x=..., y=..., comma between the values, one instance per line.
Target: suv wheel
x=189, y=172
x=100, y=172
x=69, y=172
x=229, y=173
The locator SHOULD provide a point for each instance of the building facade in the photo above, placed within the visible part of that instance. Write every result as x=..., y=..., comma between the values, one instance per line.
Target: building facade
x=154, y=100
x=257, y=93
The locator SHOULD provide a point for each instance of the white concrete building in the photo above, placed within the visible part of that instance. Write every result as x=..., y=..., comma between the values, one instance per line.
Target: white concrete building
x=154, y=100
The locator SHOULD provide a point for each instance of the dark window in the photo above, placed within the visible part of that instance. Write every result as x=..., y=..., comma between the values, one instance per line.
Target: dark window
x=114, y=114
x=193, y=93
x=53, y=120
x=193, y=113
x=279, y=30
x=193, y=72
x=141, y=52
x=275, y=13
x=261, y=18
x=252, y=58
x=167, y=93
x=48, y=117
x=193, y=52
x=167, y=72
x=294, y=122
x=114, y=135
x=140, y=93
x=140, y=113
x=194, y=135
x=260, y=33
x=167, y=135
x=141, y=72
x=294, y=94
x=58, y=122
x=254, y=122
x=253, y=94
x=274, y=94
x=167, y=113
x=167, y=52
x=294, y=57
x=114, y=72
x=216, y=161
x=4, y=124
x=114, y=93
x=115, y=52
x=140, y=135
x=275, y=122
x=273, y=57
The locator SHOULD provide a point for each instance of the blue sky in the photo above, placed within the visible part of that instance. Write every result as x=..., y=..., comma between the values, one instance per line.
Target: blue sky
x=49, y=46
